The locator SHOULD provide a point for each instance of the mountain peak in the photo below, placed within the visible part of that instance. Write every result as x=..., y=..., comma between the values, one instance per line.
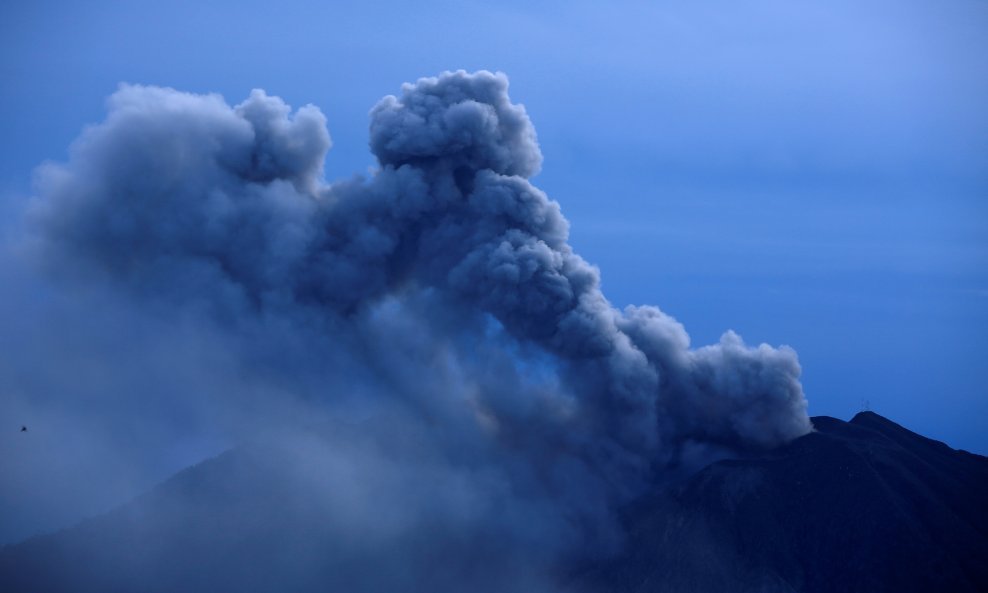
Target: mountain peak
x=864, y=505
x=874, y=419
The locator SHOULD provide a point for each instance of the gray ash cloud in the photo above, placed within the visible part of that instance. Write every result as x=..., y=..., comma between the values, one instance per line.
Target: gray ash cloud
x=443, y=285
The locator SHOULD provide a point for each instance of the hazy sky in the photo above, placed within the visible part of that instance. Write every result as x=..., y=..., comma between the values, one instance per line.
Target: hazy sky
x=806, y=173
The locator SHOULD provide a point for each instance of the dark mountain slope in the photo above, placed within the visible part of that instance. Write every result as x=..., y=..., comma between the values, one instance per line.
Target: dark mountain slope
x=861, y=506
x=864, y=505
x=269, y=517
x=178, y=537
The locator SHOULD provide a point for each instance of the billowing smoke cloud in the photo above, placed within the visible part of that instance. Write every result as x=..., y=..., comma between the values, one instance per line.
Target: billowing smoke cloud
x=447, y=263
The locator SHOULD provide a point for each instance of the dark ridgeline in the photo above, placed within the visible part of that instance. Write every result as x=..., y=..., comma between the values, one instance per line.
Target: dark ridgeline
x=864, y=505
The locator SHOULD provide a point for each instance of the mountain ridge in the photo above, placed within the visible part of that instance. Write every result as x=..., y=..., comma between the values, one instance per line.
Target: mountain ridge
x=863, y=505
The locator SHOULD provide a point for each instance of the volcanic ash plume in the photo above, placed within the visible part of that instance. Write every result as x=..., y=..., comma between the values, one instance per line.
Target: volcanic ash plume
x=182, y=201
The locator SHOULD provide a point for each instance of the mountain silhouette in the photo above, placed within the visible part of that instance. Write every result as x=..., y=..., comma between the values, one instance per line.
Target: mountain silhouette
x=865, y=505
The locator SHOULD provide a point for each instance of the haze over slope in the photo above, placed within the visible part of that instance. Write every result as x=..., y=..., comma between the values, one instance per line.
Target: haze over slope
x=859, y=506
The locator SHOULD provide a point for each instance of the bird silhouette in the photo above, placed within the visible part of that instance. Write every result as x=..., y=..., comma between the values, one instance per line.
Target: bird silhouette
x=23, y=428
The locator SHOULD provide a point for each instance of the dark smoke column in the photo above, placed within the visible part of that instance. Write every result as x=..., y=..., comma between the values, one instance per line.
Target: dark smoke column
x=648, y=389
x=180, y=199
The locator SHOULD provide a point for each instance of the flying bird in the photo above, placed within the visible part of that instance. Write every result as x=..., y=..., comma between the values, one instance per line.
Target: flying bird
x=23, y=428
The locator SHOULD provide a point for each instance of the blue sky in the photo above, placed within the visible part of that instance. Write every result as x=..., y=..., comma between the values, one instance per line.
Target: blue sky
x=805, y=173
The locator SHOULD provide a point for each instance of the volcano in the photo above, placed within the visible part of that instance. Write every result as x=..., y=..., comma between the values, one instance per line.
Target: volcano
x=865, y=505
